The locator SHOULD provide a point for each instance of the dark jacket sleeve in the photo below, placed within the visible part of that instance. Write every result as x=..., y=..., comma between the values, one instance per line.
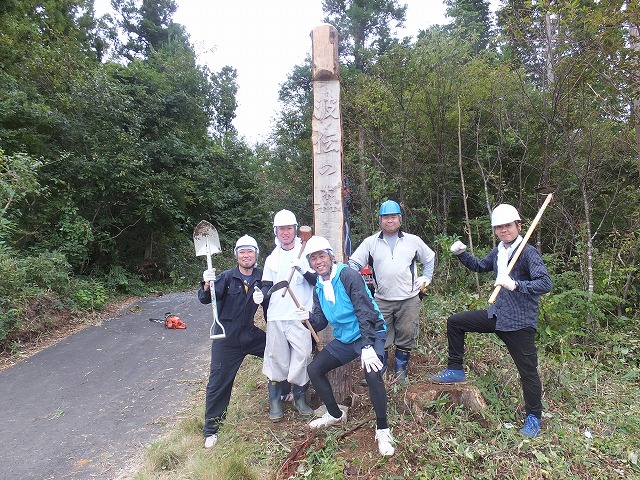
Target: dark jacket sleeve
x=317, y=318
x=369, y=319
x=219, y=284
x=311, y=278
x=476, y=264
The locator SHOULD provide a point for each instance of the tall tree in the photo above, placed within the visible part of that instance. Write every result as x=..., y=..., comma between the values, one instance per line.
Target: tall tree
x=472, y=21
x=364, y=27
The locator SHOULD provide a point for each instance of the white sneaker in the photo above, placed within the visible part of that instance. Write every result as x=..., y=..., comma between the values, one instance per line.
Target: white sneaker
x=210, y=441
x=327, y=420
x=385, y=442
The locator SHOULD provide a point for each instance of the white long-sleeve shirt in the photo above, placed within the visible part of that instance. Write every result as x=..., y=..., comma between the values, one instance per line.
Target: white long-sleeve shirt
x=277, y=267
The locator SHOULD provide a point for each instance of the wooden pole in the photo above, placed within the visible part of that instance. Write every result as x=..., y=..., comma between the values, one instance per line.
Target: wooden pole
x=326, y=140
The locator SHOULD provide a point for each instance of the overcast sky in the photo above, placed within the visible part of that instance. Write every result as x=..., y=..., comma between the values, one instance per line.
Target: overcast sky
x=263, y=40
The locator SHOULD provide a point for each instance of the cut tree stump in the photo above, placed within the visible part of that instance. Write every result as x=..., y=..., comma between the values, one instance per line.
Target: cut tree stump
x=419, y=396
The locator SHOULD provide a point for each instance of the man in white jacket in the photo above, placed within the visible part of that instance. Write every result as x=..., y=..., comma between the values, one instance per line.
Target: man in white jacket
x=288, y=350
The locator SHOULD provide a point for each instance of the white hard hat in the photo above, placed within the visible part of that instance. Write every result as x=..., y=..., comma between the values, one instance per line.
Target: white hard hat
x=246, y=241
x=503, y=214
x=284, y=217
x=317, y=244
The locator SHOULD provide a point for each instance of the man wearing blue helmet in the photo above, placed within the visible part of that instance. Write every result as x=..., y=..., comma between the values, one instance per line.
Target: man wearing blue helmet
x=393, y=256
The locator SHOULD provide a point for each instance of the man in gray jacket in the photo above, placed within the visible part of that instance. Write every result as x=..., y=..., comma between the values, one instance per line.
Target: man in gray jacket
x=392, y=256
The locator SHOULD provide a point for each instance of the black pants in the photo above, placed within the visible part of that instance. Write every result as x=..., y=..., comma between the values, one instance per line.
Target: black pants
x=226, y=358
x=520, y=343
x=323, y=363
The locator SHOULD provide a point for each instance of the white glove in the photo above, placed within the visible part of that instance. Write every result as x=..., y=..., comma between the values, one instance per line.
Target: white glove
x=302, y=314
x=505, y=281
x=258, y=296
x=422, y=282
x=209, y=275
x=458, y=247
x=299, y=265
x=369, y=359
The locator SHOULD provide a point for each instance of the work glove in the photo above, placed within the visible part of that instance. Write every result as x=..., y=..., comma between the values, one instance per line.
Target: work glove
x=369, y=359
x=422, y=282
x=209, y=275
x=302, y=314
x=258, y=296
x=299, y=265
x=458, y=247
x=505, y=281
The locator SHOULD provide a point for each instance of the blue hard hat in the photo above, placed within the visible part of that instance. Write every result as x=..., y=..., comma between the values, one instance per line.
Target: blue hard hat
x=389, y=208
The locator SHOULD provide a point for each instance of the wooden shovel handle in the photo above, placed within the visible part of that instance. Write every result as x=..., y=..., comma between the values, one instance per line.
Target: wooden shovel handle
x=496, y=290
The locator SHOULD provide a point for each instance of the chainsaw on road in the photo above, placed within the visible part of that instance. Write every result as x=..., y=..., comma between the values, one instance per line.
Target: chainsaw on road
x=170, y=321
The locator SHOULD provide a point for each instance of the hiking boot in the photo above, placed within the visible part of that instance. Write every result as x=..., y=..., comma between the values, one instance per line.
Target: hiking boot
x=531, y=426
x=449, y=376
x=385, y=442
x=210, y=441
x=328, y=420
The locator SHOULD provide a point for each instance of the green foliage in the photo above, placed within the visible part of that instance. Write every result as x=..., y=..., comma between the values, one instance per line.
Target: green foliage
x=50, y=271
x=18, y=178
x=120, y=280
x=88, y=294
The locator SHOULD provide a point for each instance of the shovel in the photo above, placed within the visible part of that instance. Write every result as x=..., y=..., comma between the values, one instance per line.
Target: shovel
x=285, y=284
x=207, y=242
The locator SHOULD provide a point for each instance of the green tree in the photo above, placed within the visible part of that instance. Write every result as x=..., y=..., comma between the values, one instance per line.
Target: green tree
x=471, y=20
x=364, y=27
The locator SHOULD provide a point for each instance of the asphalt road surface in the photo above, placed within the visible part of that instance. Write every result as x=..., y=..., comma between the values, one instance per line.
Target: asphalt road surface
x=84, y=407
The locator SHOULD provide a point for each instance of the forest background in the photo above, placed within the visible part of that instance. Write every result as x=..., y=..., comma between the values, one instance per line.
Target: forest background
x=115, y=141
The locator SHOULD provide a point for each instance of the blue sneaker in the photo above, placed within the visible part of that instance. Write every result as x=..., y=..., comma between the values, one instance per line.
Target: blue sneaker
x=531, y=426
x=449, y=376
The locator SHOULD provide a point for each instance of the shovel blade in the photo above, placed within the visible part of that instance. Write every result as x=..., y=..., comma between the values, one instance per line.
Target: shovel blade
x=206, y=239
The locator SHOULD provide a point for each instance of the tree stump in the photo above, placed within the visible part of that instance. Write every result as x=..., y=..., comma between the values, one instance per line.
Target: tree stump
x=419, y=396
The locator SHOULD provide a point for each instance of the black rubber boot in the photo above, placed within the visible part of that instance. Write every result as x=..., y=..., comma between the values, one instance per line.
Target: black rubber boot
x=275, y=401
x=402, y=362
x=299, y=400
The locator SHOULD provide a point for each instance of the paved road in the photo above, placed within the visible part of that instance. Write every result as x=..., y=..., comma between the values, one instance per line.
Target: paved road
x=84, y=407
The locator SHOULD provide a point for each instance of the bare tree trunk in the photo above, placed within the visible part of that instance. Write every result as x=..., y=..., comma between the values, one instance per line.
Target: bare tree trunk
x=365, y=198
x=327, y=166
x=634, y=35
x=464, y=191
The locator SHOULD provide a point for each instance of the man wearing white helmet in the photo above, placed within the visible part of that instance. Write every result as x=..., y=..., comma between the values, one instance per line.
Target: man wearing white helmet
x=342, y=298
x=514, y=315
x=288, y=350
x=236, y=310
x=393, y=256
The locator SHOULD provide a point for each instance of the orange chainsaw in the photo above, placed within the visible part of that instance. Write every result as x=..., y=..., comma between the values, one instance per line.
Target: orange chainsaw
x=170, y=321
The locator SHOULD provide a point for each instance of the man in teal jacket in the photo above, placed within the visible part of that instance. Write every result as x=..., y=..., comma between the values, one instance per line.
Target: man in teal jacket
x=342, y=298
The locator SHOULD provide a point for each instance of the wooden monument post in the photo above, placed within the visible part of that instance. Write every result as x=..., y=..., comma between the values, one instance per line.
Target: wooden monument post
x=327, y=164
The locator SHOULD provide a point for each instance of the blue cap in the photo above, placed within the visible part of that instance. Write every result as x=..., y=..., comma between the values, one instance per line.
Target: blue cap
x=389, y=208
